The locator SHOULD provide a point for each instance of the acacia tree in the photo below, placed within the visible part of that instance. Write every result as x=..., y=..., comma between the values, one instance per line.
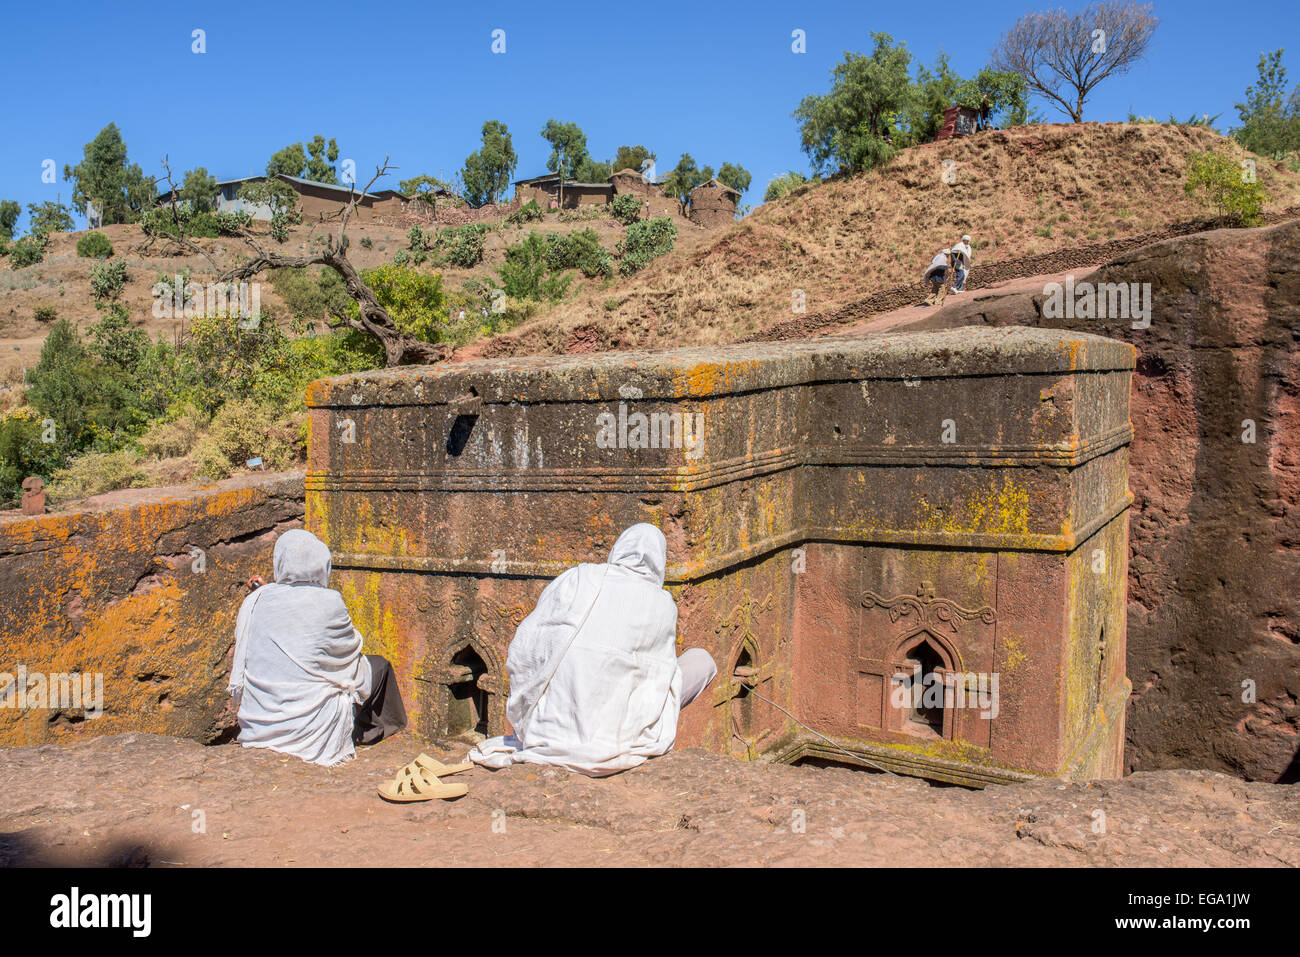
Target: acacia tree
x=1064, y=56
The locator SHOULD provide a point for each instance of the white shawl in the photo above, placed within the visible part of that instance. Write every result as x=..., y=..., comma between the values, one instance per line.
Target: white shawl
x=298, y=667
x=594, y=682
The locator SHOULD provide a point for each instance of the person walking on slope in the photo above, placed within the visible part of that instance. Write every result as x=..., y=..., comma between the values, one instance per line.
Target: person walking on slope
x=935, y=274
x=961, y=260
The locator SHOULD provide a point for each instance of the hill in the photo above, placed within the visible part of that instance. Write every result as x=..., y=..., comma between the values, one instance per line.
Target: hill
x=62, y=279
x=1024, y=192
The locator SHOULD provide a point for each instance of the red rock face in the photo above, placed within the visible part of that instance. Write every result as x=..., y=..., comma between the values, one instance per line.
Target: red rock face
x=949, y=509
x=1214, y=579
x=141, y=588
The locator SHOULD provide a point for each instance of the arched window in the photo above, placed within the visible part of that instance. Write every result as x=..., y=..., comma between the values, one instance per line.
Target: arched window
x=467, y=709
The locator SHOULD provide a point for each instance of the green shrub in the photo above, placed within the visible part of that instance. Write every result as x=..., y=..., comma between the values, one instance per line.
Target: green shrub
x=626, y=208
x=528, y=213
x=117, y=341
x=526, y=274
x=90, y=402
x=95, y=473
x=308, y=296
x=22, y=453
x=414, y=300
x=1222, y=182
x=784, y=185
x=44, y=312
x=646, y=240
x=366, y=242
x=107, y=279
x=580, y=250
x=462, y=246
x=94, y=245
x=418, y=246
x=243, y=430
x=174, y=435
x=28, y=251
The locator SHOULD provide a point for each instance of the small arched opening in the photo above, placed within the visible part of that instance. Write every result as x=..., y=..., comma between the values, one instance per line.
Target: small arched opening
x=925, y=699
x=742, y=704
x=467, y=707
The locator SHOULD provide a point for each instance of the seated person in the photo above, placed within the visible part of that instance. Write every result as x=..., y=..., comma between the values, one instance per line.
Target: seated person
x=301, y=684
x=595, y=681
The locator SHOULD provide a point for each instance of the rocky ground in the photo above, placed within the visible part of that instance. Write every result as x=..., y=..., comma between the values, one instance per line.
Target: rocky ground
x=148, y=800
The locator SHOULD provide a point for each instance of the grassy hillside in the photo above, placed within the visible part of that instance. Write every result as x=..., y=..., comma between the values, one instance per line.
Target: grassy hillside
x=62, y=280
x=1020, y=192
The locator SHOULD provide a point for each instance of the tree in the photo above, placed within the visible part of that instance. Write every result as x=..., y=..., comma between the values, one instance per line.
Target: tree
x=9, y=213
x=684, y=177
x=853, y=125
x=200, y=190
x=568, y=147
x=593, y=170
x=632, y=157
x=45, y=218
x=1063, y=57
x=316, y=162
x=289, y=161
x=425, y=188
x=277, y=196
x=320, y=160
x=1218, y=180
x=119, y=190
x=487, y=172
x=1270, y=118
x=935, y=91
x=735, y=176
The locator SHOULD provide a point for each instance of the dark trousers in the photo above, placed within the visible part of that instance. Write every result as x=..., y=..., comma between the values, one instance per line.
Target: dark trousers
x=382, y=713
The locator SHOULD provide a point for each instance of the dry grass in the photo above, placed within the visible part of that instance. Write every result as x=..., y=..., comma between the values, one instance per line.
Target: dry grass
x=1021, y=192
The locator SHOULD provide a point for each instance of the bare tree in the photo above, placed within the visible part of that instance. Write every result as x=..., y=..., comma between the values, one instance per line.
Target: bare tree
x=1063, y=57
x=372, y=318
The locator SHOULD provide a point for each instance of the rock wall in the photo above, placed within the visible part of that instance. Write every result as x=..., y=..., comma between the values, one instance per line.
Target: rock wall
x=140, y=587
x=836, y=511
x=1214, y=588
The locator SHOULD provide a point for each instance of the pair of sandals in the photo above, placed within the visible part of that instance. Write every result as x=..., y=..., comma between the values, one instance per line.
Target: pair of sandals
x=421, y=781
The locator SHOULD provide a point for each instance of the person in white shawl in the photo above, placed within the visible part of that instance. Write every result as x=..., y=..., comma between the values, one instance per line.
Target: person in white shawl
x=595, y=682
x=300, y=682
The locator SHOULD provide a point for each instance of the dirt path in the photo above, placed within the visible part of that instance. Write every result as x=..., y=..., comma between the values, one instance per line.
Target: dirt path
x=140, y=800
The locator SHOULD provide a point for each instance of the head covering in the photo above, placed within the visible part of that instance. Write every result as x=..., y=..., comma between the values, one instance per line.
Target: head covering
x=965, y=239
x=946, y=252
x=298, y=669
x=301, y=558
x=594, y=681
x=643, y=550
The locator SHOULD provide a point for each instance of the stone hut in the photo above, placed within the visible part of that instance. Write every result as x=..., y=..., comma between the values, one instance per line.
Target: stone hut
x=713, y=204
x=630, y=181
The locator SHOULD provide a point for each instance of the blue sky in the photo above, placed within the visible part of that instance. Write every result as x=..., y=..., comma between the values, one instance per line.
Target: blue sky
x=417, y=80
